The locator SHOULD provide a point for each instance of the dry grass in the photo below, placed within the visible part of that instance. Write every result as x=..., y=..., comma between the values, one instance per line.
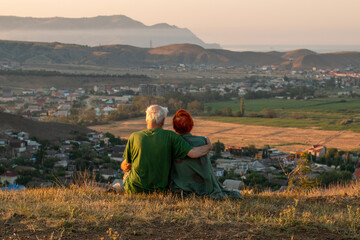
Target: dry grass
x=89, y=213
x=284, y=139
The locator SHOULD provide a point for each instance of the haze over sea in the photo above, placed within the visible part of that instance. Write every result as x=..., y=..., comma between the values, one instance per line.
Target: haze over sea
x=284, y=48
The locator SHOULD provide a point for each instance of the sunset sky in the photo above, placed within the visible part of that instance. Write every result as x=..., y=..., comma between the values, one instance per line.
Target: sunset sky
x=227, y=22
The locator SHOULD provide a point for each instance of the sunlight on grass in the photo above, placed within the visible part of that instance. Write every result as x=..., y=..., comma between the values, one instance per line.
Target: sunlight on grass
x=84, y=209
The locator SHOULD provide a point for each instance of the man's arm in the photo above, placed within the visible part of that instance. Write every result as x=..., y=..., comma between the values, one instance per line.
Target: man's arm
x=197, y=152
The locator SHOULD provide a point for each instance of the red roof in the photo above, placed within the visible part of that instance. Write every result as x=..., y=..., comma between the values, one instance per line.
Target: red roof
x=10, y=173
x=357, y=173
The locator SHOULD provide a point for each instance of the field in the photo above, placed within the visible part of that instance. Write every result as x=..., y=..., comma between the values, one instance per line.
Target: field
x=327, y=113
x=338, y=105
x=285, y=139
x=85, y=212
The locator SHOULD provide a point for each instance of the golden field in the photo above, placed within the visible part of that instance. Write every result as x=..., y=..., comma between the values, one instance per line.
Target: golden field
x=292, y=139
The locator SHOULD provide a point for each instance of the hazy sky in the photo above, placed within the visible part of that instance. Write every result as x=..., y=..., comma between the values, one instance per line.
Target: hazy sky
x=227, y=22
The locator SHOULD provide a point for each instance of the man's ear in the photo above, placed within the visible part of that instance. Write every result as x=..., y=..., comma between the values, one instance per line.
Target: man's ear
x=163, y=122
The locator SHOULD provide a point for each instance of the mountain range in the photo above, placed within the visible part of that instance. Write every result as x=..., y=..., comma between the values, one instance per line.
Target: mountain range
x=95, y=31
x=119, y=56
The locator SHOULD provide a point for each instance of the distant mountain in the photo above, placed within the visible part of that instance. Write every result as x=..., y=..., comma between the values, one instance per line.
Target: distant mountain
x=51, y=131
x=291, y=55
x=34, y=53
x=119, y=56
x=95, y=31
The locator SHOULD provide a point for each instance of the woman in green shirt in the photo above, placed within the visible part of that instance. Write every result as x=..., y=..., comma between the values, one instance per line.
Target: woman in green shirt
x=194, y=175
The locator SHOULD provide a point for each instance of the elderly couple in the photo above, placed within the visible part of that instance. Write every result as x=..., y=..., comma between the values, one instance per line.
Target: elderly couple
x=158, y=159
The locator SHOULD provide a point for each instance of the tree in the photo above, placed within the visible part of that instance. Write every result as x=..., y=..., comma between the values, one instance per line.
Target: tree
x=242, y=109
x=195, y=107
x=227, y=111
x=268, y=113
x=252, y=150
x=218, y=148
x=337, y=160
x=333, y=177
x=23, y=180
x=40, y=155
x=2, y=169
x=298, y=178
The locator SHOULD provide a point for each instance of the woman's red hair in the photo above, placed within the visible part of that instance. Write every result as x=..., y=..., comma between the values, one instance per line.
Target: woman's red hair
x=182, y=122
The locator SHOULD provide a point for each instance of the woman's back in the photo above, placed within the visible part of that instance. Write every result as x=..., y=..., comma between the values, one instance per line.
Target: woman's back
x=196, y=175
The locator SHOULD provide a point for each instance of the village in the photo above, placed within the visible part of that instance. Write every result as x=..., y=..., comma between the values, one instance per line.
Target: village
x=26, y=162
x=51, y=104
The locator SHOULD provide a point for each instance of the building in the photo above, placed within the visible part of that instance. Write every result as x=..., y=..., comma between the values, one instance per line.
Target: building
x=155, y=89
x=17, y=147
x=218, y=172
x=107, y=173
x=357, y=174
x=233, y=184
x=7, y=93
x=9, y=176
x=3, y=142
x=317, y=150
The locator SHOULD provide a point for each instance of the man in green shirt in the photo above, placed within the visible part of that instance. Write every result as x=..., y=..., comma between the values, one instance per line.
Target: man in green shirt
x=149, y=153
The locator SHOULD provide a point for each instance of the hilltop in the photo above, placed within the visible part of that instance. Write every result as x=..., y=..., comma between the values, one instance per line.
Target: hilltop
x=51, y=131
x=328, y=60
x=86, y=212
x=47, y=54
x=71, y=56
x=95, y=31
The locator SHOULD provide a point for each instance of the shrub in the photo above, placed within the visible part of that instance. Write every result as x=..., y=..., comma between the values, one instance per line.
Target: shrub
x=268, y=113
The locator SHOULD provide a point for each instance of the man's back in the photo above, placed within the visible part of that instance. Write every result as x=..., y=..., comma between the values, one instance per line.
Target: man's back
x=150, y=153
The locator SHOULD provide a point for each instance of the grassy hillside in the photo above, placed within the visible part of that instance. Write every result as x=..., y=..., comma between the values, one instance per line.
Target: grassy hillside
x=40, y=79
x=328, y=60
x=326, y=113
x=120, y=56
x=55, y=54
x=42, y=130
x=88, y=213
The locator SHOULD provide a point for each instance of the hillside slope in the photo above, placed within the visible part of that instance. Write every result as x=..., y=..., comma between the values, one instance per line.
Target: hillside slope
x=32, y=53
x=95, y=31
x=87, y=213
x=42, y=130
x=328, y=60
x=123, y=56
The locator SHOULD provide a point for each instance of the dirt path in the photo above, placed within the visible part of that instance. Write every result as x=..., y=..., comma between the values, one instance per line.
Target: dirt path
x=244, y=135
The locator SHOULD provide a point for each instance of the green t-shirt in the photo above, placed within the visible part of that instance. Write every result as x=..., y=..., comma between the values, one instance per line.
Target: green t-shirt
x=150, y=153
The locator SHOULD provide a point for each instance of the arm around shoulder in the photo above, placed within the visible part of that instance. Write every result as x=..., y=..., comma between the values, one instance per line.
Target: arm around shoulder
x=197, y=152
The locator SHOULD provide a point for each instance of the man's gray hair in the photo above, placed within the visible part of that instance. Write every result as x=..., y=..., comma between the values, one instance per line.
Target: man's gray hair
x=156, y=113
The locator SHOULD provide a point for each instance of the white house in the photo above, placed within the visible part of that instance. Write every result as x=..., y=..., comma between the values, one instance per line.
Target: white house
x=317, y=150
x=108, y=109
x=107, y=173
x=219, y=172
x=233, y=184
x=9, y=176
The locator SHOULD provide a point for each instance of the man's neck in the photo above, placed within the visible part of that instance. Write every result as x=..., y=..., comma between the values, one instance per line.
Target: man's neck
x=154, y=125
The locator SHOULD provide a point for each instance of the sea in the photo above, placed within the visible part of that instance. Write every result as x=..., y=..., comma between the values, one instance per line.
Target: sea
x=284, y=48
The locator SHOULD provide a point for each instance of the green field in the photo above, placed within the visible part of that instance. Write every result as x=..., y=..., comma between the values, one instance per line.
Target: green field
x=323, y=104
x=325, y=113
